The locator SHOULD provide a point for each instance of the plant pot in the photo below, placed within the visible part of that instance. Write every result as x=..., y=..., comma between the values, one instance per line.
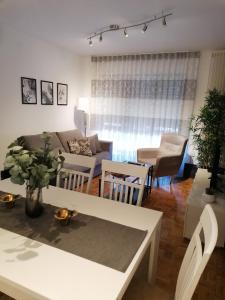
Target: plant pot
x=33, y=203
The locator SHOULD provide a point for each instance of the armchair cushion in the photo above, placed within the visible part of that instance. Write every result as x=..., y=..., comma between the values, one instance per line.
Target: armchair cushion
x=147, y=153
x=170, y=148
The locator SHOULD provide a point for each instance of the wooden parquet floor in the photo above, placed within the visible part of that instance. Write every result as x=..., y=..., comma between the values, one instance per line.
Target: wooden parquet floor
x=172, y=202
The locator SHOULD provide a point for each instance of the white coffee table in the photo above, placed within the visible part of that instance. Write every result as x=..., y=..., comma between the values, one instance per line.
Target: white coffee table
x=32, y=270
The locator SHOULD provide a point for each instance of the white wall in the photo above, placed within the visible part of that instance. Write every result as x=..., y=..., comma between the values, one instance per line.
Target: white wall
x=86, y=76
x=22, y=55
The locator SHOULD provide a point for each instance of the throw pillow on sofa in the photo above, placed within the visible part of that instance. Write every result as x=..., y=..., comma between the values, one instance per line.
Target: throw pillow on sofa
x=92, y=140
x=80, y=146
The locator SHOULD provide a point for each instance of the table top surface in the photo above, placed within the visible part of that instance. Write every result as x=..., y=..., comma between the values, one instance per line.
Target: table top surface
x=45, y=272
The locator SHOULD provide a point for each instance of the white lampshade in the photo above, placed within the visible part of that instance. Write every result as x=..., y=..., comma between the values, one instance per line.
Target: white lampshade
x=83, y=104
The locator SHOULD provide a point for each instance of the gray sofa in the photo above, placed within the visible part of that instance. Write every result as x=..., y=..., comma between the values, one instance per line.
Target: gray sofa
x=59, y=142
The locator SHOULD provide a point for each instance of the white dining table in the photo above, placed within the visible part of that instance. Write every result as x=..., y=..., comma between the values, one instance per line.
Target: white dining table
x=33, y=270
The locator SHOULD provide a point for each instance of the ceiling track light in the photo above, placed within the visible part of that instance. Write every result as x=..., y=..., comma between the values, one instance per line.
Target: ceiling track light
x=145, y=27
x=116, y=27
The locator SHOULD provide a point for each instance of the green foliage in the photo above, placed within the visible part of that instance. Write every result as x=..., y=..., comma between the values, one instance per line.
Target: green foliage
x=35, y=168
x=208, y=128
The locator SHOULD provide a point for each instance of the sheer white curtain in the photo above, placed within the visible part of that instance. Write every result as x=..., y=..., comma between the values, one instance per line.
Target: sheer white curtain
x=135, y=98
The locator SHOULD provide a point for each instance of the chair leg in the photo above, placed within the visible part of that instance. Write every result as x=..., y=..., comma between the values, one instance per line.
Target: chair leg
x=171, y=179
x=157, y=181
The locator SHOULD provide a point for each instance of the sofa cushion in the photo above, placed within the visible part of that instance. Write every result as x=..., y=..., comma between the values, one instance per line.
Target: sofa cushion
x=33, y=142
x=68, y=135
x=100, y=156
x=97, y=144
x=92, y=140
x=80, y=146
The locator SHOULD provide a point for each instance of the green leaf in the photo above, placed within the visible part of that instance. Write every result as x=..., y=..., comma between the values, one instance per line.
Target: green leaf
x=18, y=180
x=9, y=162
x=25, y=159
x=25, y=175
x=15, y=171
x=55, y=164
x=16, y=148
x=37, y=167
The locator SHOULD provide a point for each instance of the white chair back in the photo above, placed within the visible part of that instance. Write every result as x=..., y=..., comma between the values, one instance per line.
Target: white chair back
x=197, y=256
x=122, y=188
x=81, y=171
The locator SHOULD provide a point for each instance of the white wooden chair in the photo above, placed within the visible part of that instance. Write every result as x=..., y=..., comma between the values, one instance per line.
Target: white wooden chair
x=192, y=267
x=125, y=180
x=79, y=171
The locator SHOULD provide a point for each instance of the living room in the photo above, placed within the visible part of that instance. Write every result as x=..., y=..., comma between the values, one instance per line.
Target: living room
x=66, y=44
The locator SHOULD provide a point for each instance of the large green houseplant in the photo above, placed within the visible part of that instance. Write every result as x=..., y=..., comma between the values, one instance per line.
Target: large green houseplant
x=208, y=131
x=35, y=169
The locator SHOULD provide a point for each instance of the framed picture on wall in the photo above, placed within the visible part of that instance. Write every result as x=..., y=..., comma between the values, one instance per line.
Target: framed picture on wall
x=46, y=92
x=62, y=94
x=28, y=90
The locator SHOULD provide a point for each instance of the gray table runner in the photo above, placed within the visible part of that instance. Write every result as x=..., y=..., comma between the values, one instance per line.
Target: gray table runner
x=105, y=242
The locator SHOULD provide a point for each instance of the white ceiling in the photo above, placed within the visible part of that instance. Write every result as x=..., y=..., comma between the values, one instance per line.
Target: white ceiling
x=194, y=25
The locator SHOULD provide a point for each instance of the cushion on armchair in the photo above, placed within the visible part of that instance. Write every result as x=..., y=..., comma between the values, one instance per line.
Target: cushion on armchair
x=169, y=149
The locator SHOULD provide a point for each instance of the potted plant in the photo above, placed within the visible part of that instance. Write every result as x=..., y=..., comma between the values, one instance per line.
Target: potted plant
x=208, y=132
x=34, y=168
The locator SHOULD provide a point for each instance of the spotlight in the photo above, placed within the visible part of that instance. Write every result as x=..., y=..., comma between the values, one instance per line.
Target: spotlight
x=100, y=38
x=125, y=32
x=145, y=27
x=164, y=21
x=90, y=43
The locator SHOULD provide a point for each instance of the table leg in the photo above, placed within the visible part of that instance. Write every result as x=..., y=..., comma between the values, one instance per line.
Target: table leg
x=151, y=175
x=149, y=180
x=99, y=187
x=153, y=258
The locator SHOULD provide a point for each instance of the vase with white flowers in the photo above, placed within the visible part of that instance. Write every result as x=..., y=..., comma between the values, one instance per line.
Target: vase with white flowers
x=35, y=169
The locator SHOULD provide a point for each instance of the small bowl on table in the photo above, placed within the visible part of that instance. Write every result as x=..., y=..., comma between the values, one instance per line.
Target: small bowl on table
x=8, y=200
x=64, y=215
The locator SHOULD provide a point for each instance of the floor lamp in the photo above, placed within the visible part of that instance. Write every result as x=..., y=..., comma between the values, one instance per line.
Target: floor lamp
x=83, y=106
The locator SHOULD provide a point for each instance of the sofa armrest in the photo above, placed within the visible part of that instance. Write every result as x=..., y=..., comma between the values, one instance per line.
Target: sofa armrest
x=106, y=146
x=147, y=153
